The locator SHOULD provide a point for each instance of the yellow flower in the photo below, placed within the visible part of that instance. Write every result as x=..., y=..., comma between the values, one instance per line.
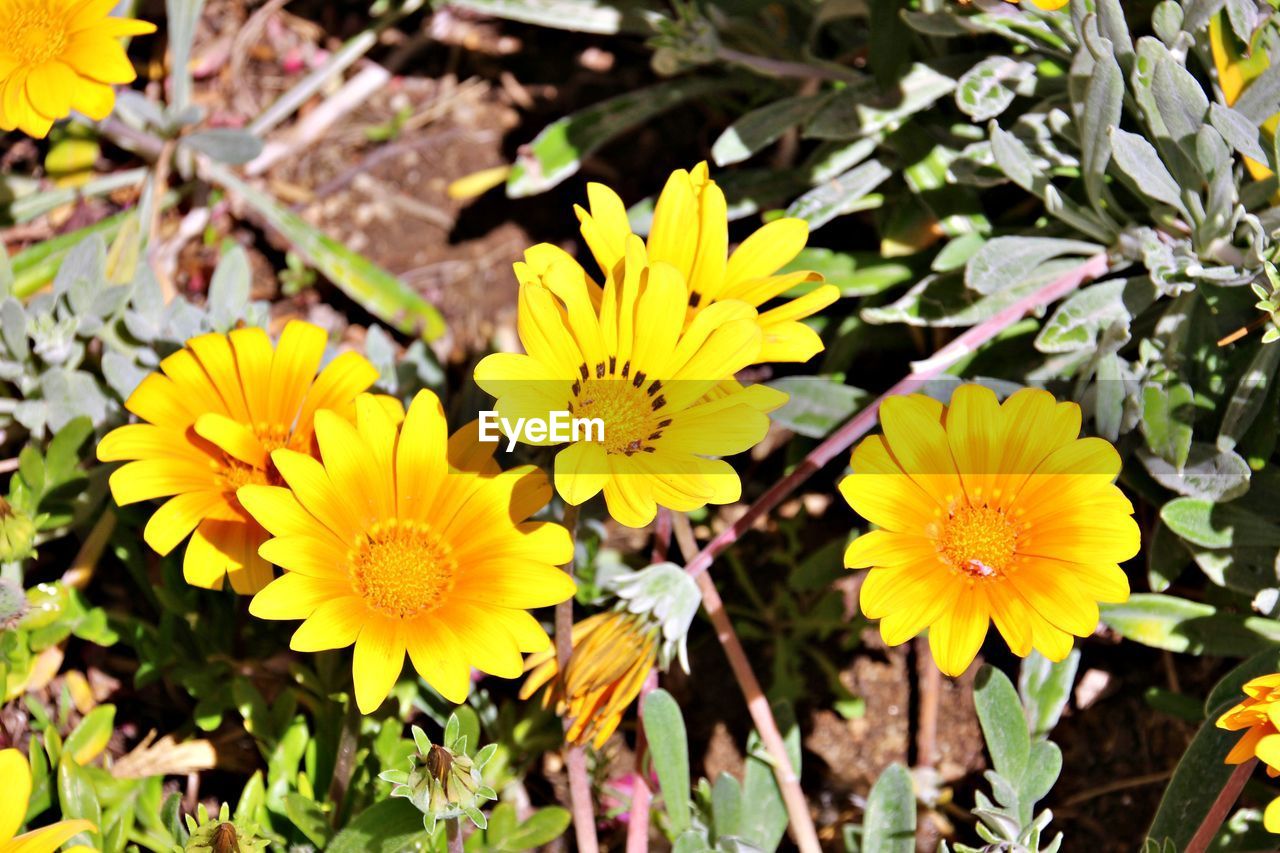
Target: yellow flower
x=1256, y=716
x=613, y=653
x=988, y=512
x=211, y=419
x=61, y=55
x=630, y=364
x=400, y=539
x=691, y=232
x=16, y=774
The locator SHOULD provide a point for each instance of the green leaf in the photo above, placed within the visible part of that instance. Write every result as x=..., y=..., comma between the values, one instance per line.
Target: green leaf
x=816, y=404
x=854, y=273
x=181, y=17
x=1178, y=625
x=890, y=822
x=542, y=827
x=1249, y=396
x=762, y=127
x=1200, y=774
x=726, y=806
x=558, y=150
x=1004, y=724
x=77, y=799
x=856, y=111
x=669, y=751
x=1006, y=262
x=988, y=88
x=1044, y=765
x=1240, y=133
x=1212, y=525
x=1167, y=413
x=308, y=817
x=225, y=144
x=382, y=294
x=841, y=195
x=764, y=820
x=1138, y=159
x=228, y=292
x=386, y=827
x=1103, y=104
x=1045, y=688
x=90, y=737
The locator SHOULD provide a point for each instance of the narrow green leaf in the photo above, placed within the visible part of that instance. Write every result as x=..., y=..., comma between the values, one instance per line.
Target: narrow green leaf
x=558, y=150
x=1004, y=724
x=1212, y=525
x=541, y=828
x=308, y=817
x=1200, y=774
x=762, y=127
x=386, y=827
x=91, y=735
x=382, y=294
x=1178, y=625
x=1045, y=688
x=669, y=751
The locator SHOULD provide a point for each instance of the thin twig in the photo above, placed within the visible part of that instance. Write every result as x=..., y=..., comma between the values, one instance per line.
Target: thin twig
x=82, y=568
x=1113, y=787
x=1221, y=807
x=453, y=832
x=800, y=820
x=661, y=535
x=160, y=183
x=638, y=816
x=862, y=423
x=584, y=817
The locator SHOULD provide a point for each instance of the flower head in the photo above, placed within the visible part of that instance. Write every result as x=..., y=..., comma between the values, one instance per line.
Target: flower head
x=211, y=419
x=16, y=773
x=221, y=833
x=399, y=539
x=1256, y=716
x=691, y=232
x=988, y=512
x=61, y=55
x=622, y=358
x=444, y=781
x=614, y=652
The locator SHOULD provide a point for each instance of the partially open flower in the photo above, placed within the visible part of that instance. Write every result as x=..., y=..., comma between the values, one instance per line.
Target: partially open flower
x=220, y=834
x=613, y=652
x=444, y=781
x=1255, y=717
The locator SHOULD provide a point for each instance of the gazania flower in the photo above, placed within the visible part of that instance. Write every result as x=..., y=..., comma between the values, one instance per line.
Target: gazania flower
x=210, y=421
x=632, y=368
x=1256, y=716
x=988, y=512
x=16, y=774
x=61, y=55
x=691, y=232
x=613, y=653
x=399, y=539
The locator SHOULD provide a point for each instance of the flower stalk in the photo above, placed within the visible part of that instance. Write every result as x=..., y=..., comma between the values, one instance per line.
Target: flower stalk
x=1221, y=807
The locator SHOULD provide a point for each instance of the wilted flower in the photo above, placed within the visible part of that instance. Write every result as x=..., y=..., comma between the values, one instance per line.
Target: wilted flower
x=988, y=512
x=1256, y=716
x=61, y=55
x=16, y=773
x=443, y=781
x=211, y=419
x=402, y=539
x=613, y=652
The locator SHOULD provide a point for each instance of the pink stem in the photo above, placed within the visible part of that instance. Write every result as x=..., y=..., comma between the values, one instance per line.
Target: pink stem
x=638, y=822
x=862, y=423
x=800, y=820
x=584, y=818
x=1221, y=807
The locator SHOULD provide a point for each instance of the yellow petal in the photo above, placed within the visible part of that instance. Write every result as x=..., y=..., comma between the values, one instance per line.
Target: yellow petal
x=48, y=838
x=581, y=471
x=377, y=663
x=335, y=624
x=159, y=478
x=440, y=659
x=956, y=637
x=766, y=251
x=295, y=596
x=16, y=772
x=421, y=456
x=180, y=515
x=293, y=367
x=98, y=57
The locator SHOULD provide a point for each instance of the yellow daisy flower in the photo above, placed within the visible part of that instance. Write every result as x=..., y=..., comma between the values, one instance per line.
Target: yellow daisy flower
x=210, y=421
x=1256, y=716
x=988, y=512
x=399, y=539
x=61, y=55
x=632, y=366
x=613, y=653
x=16, y=773
x=690, y=231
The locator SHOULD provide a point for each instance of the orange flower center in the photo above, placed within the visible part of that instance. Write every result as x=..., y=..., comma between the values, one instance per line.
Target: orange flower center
x=978, y=541
x=34, y=31
x=402, y=568
x=630, y=405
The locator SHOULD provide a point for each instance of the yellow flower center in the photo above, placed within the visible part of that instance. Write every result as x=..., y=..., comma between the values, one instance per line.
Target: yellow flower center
x=629, y=405
x=402, y=568
x=35, y=31
x=978, y=541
